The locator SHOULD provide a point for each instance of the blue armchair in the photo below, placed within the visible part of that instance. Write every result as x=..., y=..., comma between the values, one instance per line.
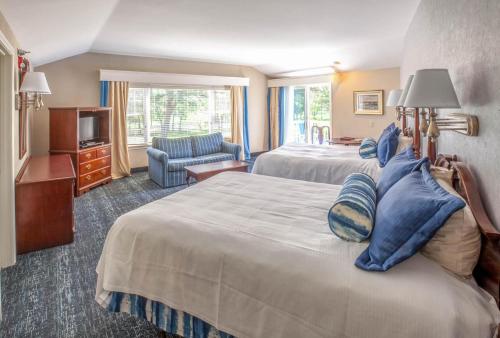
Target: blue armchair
x=168, y=157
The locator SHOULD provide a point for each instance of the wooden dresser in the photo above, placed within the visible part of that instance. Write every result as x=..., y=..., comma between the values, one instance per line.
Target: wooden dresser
x=92, y=164
x=94, y=167
x=44, y=203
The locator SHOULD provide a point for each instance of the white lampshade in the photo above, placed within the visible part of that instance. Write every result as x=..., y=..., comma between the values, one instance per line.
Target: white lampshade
x=394, y=96
x=432, y=88
x=402, y=99
x=35, y=82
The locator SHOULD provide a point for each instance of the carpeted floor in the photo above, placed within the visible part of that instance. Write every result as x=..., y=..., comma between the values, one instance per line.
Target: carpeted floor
x=50, y=293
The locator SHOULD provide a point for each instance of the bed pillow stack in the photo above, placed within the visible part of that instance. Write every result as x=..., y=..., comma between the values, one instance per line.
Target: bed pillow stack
x=352, y=215
x=368, y=148
x=409, y=214
x=457, y=245
x=388, y=144
x=398, y=167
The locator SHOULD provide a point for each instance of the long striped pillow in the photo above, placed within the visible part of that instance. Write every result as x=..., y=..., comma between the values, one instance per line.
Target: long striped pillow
x=352, y=215
x=368, y=148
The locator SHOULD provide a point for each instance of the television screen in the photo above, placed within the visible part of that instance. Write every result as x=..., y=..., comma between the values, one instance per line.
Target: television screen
x=89, y=128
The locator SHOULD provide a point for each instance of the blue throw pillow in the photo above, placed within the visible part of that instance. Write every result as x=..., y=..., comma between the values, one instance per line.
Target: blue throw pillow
x=388, y=144
x=352, y=215
x=398, y=167
x=368, y=148
x=407, y=218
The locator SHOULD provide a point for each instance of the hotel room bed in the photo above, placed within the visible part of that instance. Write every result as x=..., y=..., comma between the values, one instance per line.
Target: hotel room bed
x=315, y=163
x=254, y=256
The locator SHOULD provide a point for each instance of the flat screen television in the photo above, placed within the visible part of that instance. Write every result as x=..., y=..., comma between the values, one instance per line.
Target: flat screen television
x=89, y=128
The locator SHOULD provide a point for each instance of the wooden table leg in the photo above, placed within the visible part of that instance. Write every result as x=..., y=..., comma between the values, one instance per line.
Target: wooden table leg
x=187, y=179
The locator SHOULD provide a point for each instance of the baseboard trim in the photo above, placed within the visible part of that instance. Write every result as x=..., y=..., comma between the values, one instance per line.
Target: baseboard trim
x=138, y=170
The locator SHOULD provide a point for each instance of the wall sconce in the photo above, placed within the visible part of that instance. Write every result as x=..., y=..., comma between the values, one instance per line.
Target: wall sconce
x=34, y=85
x=392, y=101
x=432, y=89
x=397, y=99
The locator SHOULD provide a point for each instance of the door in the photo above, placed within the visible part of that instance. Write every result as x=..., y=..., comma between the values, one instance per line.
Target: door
x=7, y=176
x=310, y=106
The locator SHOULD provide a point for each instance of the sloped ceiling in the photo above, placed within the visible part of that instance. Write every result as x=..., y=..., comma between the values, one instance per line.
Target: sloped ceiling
x=272, y=36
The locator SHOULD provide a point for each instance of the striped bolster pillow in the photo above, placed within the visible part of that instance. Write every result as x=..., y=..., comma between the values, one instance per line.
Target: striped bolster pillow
x=352, y=215
x=368, y=148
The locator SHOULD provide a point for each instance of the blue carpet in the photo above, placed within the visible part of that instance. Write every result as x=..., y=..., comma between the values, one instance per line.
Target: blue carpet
x=50, y=293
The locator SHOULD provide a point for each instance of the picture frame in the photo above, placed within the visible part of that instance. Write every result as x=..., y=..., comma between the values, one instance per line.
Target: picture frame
x=368, y=102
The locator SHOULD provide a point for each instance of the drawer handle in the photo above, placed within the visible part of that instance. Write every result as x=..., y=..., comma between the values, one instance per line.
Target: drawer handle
x=103, y=151
x=103, y=161
x=88, y=166
x=103, y=172
x=88, y=177
x=88, y=155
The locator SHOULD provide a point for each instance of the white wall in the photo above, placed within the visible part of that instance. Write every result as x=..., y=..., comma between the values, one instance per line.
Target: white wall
x=344, y=122
x=75, y=82
x=464, y=36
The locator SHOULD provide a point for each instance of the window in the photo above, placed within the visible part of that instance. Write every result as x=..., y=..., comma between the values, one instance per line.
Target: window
x=310, y=107
x=176, y=112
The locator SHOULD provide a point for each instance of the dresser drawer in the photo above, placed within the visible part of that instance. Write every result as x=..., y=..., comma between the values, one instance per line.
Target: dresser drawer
x=94, y=176
x=87, y=156
x=95, y=164
x=103, y=152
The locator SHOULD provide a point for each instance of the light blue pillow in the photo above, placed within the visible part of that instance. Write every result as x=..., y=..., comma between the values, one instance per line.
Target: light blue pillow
x=408, y=216
x=398, y=167
x=352, y=215
x=388, y=144
x=368, y=148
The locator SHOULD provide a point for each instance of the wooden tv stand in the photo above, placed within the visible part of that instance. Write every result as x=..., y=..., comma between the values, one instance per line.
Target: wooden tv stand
x=92, y=165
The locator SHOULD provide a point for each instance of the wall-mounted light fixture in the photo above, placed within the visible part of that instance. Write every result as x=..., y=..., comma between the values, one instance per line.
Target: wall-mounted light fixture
x=34, y=85
x=432, y=89
x=397, y=99
x=393, y=99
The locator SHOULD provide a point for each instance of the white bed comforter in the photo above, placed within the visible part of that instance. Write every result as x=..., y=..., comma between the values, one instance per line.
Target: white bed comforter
x=315, y=163
x=253, y=256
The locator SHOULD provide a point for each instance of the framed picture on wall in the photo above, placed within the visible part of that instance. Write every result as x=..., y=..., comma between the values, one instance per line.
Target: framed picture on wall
x=369, y=102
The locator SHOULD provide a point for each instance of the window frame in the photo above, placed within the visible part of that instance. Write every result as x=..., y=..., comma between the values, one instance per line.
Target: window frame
x=307, y=108
x=147, y=106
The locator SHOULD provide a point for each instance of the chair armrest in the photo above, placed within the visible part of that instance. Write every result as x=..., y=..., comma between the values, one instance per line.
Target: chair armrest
x=157, y=155
x=231, y=148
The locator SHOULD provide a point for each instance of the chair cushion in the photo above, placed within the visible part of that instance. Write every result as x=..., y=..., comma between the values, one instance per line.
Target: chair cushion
x=398, y=167
x=387, y=144
x=352, y=215
x=179, y=163
x=408, y=216
x=207, y=144
x=174, y=147
x=368, y=148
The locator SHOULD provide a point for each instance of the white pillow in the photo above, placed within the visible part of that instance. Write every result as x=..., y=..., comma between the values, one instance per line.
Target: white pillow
x=403, y=143
x=457, y=245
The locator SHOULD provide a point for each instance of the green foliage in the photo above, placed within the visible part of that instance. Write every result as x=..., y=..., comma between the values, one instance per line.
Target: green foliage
x=320, y=103
x=299, y=100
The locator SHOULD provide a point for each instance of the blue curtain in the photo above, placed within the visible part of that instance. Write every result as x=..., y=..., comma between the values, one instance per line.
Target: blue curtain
x=269, y=138
x=281, y=114
x=104, y=94
x=246, y=138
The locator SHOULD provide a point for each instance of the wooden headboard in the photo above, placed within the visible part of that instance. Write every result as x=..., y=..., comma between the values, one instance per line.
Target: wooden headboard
x=487, y=271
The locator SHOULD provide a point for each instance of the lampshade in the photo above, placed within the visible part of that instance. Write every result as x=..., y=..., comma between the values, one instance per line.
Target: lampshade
x=432, y=88
x=402, y=99
x=35, y=82
x=394, y=96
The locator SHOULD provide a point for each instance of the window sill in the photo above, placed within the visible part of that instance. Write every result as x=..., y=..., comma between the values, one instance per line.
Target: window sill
x=138, y=146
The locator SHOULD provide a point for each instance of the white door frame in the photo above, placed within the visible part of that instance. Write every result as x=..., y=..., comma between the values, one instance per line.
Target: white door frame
x=7, y=171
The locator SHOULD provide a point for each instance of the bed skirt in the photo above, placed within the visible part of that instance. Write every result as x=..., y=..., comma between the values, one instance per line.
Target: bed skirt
x=165, y=318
